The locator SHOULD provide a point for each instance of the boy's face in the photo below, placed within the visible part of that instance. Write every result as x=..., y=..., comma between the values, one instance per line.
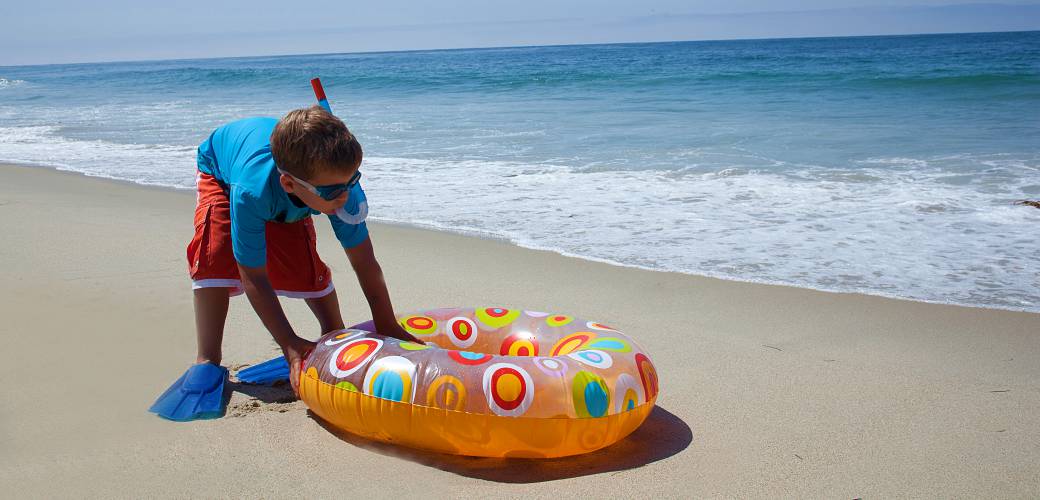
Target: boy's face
x=324, y=181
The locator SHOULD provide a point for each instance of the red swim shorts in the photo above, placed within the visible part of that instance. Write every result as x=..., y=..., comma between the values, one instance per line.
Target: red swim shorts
x=293, y=264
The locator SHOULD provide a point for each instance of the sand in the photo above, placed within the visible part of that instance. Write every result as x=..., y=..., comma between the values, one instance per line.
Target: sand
x=766, y=390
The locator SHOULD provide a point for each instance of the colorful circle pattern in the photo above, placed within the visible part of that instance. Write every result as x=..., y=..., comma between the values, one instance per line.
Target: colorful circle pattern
x=610, y=344
x=446, y=392
x=600, y=326
x=412, y=346
x=419, y=325
x=606, y=372
x=462, y=331
x=571, y=343
x=520, y=344
x=509, y=389
x=557, y=320
x=628, y=394
x=648, y=375
x=343, y=336
x=590, y=394
x=496, y=317
x=391, y=377
x=593, y=358
x=351, y=356
x=469, y=358
x=552, y=367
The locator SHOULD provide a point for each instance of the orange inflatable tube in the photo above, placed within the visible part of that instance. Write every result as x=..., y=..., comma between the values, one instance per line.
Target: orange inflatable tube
x=489, y=382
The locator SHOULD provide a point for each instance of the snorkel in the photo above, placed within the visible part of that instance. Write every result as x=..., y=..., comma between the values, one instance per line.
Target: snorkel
x=319, y=93
x=362, y=209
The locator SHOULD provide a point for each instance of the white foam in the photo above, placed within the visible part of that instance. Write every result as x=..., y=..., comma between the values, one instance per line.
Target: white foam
x=160, y=165
x=925, y=229
x=888, y=231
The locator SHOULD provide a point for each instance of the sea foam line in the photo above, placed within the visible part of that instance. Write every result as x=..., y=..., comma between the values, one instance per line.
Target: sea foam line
x=895, y=227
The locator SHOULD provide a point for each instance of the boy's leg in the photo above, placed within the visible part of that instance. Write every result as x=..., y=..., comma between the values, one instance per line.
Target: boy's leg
x=211, y=307
x=296, y=270
x=326, y=311
x=211, y=264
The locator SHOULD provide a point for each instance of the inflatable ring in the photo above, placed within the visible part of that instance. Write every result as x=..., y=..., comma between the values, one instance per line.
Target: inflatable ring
x=489, y=382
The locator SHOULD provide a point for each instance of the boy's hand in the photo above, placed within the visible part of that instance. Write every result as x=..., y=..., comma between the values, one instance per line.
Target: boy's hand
x=295, y=353
x=396, y=331
x=262, y=296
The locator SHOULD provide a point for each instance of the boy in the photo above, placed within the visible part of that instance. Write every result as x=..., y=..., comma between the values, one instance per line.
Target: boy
x=259, y=181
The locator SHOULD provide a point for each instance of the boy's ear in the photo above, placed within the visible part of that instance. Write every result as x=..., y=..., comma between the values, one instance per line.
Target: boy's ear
x=287, y=183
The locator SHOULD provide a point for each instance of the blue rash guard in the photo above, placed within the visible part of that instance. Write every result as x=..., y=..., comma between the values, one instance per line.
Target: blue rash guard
x=239, y=156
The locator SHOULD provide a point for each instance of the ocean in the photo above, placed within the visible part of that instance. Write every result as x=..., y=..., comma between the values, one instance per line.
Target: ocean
x=881, y=165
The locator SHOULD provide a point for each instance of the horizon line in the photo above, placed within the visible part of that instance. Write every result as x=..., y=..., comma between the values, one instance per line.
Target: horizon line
x=498, y=47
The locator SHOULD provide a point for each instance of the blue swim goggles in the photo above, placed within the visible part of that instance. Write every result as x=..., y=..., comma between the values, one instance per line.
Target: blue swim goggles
x=330, y=192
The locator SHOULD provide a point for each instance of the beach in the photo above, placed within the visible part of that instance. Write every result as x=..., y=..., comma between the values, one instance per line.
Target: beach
x=766, y=391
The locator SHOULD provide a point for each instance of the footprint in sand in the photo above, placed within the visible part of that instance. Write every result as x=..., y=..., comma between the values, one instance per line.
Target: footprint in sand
x=251, y=406
x=247, y=399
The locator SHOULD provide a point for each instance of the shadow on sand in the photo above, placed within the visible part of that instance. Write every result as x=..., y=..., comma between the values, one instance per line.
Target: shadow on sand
x=278, y=393
x=662, y=435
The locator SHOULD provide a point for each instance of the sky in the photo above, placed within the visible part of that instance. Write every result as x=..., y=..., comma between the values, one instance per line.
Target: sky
x=63, y=31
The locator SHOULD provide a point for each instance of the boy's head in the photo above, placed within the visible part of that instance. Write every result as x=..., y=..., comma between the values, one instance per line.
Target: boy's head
x=317, y=156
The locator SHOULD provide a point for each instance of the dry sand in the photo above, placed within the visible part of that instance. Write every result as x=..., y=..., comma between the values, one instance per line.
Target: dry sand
x=766, y=390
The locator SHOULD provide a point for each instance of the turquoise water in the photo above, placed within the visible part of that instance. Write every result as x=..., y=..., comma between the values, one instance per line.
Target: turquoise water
x=883, y=165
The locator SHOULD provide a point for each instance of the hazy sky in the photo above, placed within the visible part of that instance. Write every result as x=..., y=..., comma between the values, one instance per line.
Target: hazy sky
x=55, y=31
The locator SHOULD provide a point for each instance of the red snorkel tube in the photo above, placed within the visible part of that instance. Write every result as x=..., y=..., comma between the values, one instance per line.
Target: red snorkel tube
x=319, y=92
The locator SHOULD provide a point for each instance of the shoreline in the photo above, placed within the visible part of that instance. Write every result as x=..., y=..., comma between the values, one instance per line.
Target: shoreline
x=766, y=391
x=487, y=235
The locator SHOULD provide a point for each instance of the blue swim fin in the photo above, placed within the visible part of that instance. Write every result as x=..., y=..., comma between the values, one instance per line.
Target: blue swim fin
x=199, y=393
x=265, y=373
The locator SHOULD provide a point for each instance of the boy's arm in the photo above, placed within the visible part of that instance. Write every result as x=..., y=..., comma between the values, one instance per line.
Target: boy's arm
x=363, y=259
x=261, y=295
